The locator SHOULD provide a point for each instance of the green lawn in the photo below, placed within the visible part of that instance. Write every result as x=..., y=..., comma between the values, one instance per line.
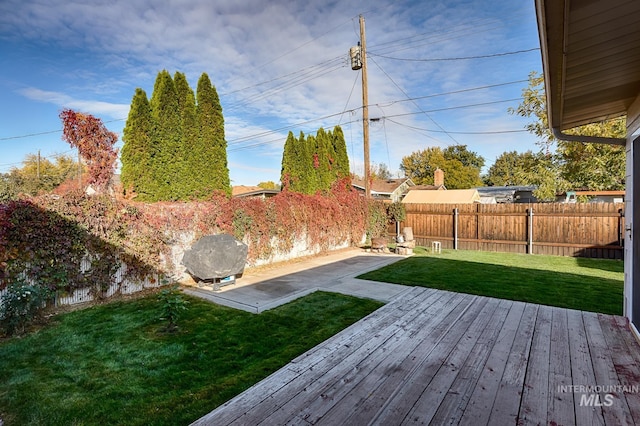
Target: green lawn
x=111, y=364
x=578, y=283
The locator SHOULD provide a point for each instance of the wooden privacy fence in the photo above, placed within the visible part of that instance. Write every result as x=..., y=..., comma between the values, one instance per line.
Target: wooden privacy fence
x=587, y=230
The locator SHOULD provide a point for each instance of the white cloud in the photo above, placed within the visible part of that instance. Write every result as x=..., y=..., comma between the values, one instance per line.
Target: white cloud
x=62, y=100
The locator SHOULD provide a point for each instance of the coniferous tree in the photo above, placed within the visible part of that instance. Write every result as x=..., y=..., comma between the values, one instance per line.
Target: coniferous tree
x=313, y=163
x=322, y=160
x=175, y=149
x=138, y=149
x=190, y=175
x=288, y=171
x=212, y=146
x=166, y=134
x=305, y=164
x=314, y=175
x=341, y=158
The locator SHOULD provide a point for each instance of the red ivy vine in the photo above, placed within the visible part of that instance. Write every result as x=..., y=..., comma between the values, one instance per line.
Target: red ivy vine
x=46, y=239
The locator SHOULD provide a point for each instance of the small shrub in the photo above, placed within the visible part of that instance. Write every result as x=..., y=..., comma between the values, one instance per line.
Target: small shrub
x=396, y=212
x=21, y=305
x=377, y=219
x=172, y=305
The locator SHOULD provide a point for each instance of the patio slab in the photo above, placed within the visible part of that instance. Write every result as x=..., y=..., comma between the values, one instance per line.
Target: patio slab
x=267, y=288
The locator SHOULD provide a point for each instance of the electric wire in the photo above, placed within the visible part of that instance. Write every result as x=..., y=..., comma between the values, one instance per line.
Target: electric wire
x=355, y=81
x=462, y=58
x=280, y=77
x=237, y=147
x=492, y=132
x=452, y=92
x=408, y=97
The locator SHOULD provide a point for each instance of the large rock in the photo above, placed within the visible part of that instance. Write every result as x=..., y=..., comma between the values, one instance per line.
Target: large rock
x=215, y=257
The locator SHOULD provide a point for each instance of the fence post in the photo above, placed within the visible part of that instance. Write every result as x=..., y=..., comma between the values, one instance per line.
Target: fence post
x=455, y=228
x=530, y=230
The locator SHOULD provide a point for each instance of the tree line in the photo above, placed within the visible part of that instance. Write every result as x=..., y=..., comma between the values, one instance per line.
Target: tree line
x=175, y=149
x=312, y=164
x=174, y=143
x=556, y=167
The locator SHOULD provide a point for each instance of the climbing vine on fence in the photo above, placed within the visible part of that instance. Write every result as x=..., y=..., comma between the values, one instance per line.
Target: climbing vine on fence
x=49, y=240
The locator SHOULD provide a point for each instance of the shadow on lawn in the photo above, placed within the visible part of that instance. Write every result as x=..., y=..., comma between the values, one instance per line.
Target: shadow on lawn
x=566, y=290
x=49, y=249
x=609, y=265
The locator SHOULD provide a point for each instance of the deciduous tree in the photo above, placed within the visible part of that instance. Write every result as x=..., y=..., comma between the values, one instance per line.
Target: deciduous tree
x=508, y=167
x=461, y=167
x=571, y=164
x=95, y=144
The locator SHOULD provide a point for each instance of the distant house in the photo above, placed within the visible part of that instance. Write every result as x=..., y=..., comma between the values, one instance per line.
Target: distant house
x=241, y=191
x=524, y=196
x=438, y=182
x=452, y=196
x=392, y=190
x=592, y=196
x=506, y=194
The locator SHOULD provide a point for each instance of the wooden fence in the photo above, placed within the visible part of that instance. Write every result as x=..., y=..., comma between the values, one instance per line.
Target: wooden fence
x=588, y=230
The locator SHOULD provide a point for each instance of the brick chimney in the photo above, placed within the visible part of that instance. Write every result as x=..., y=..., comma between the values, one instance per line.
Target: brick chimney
x=438, y=177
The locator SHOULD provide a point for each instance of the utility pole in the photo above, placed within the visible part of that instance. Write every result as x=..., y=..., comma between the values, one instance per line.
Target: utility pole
x=38, y=167
x=358, y=55
x=365, y=109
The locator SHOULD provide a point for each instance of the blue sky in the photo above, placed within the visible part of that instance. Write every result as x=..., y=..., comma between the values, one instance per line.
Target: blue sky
x=278, y=66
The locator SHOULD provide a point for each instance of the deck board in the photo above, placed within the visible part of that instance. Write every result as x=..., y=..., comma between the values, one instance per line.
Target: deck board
x=582, y=367
x=479, y=407
x=561, y=404
x=535, y=393
x=437, y=357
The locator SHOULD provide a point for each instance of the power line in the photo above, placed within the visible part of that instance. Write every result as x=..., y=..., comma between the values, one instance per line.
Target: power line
x=43, y=158
x=453, y=92
x=494, y=132
x=30, y=135
x=301, y=79
x=353, y=110
x=456, y=107
x=297, y=72
x=238, y=141
x=463, y=58
x=418, y=106
x=300, y=46
x=432, y=38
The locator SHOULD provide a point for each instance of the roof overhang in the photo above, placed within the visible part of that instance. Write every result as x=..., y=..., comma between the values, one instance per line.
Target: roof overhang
x=591, y=59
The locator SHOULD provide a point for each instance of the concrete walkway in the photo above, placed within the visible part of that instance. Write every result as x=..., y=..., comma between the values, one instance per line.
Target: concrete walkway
x=266, y=288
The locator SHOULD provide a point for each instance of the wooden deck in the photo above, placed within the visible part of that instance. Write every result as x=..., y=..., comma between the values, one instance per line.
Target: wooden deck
x=436, y=357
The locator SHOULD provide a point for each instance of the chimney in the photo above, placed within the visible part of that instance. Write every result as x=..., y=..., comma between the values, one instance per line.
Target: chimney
x=438, y=177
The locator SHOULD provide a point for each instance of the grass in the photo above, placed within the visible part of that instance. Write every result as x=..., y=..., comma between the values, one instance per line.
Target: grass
x=111, y=364
x=578, y=283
